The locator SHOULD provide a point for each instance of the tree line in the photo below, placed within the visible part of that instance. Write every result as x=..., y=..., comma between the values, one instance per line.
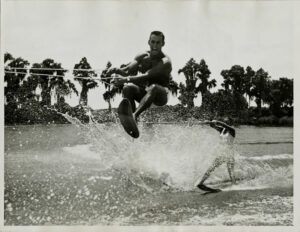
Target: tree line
x=239, y=88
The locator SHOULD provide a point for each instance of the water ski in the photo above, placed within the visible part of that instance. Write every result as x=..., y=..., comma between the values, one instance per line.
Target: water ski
x=126, y=118
x=208, y=189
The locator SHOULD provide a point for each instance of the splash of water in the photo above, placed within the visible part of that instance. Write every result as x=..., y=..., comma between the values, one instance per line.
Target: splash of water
x=161, y=153
x=177, y=155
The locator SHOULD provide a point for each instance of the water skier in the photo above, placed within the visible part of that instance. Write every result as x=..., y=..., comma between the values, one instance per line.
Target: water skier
x=146, y=80
x=227, y=135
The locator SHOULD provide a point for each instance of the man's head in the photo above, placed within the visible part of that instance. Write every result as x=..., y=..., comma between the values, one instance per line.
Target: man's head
x=156, y=42
x=228, y=120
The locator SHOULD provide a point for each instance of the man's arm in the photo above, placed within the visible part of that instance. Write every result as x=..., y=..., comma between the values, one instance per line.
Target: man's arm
x=213, y=125
x=227, y=127
x=218, y=128
x=131, y=67
x=161, y=70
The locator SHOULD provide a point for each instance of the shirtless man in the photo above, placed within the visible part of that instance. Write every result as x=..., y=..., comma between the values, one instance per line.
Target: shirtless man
x=146, y=79
x=227, y=135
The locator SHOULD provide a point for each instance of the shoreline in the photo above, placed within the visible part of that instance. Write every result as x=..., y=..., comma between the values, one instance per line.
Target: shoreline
x=160, y=123
x=163, y=115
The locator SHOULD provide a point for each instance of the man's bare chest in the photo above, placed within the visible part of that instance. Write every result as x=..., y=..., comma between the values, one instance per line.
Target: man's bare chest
x=148, y=63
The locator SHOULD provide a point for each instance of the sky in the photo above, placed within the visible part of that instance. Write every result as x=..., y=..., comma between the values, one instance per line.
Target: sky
x=259, y=34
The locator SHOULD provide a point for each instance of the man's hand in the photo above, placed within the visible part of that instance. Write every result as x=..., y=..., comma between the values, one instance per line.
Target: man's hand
x=111, y=71
x=209, y=122
x=118, y=71
x=118, y=81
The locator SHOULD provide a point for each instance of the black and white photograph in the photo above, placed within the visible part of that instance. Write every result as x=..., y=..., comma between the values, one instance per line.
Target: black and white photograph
x=149, y=113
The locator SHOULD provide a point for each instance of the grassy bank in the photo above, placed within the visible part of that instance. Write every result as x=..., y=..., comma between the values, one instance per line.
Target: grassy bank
x=35, y=114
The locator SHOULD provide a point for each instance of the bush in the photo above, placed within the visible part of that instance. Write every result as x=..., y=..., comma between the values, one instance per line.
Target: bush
x=265, y=112
x=31, y=112
x=286, y=121
x=270, y=120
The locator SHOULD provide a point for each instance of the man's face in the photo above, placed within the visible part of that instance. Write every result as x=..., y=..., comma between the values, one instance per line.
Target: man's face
x=156, y=43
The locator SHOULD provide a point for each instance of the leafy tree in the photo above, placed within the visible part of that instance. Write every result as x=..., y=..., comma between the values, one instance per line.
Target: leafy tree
x=173, y=86
x=280, y=95
x=86, y=83
x=28, y=89
x=16, y=72
x=286, y=87
x=194, y=72
x=235, y=83
x=248, y=82
x=45, y=74
x=111, y=90
x=203, y=74
x=8, y=57
x=62, y=88
x=186, y=96
x=234, y=79
x=260, y=87
x=219, y=104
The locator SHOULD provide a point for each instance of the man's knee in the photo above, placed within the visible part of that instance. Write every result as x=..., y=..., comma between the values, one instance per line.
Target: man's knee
x=154, y=89
x=128, y=90
x=159, y=93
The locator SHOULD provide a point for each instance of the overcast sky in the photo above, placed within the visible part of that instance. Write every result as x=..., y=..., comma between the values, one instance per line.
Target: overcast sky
x=224, y=33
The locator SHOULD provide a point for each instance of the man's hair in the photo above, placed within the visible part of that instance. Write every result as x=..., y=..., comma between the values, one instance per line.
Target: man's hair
x=158, y=33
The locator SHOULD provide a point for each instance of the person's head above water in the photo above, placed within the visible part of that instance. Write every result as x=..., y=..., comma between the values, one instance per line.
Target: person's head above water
x=156, y=42
x=228, y=120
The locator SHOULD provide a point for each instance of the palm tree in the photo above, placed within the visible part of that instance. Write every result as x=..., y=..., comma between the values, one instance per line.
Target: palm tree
x=62, y=88
x=194, y=72
x=86, y=84
x=28, y=88
x=203, y=75
x=186, y=96
x=111, y=91
x=47, y=72
x=173, y=86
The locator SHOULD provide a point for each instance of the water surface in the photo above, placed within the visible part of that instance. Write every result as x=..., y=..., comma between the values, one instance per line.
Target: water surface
x=95, y=174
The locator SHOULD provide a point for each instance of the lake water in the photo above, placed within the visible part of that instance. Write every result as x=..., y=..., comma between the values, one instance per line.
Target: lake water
x=95, y=174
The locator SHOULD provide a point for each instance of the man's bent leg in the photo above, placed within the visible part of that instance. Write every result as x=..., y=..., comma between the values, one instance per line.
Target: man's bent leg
x=133, y=92
x=155, y=94
x=230, y=168
x=217, y=162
